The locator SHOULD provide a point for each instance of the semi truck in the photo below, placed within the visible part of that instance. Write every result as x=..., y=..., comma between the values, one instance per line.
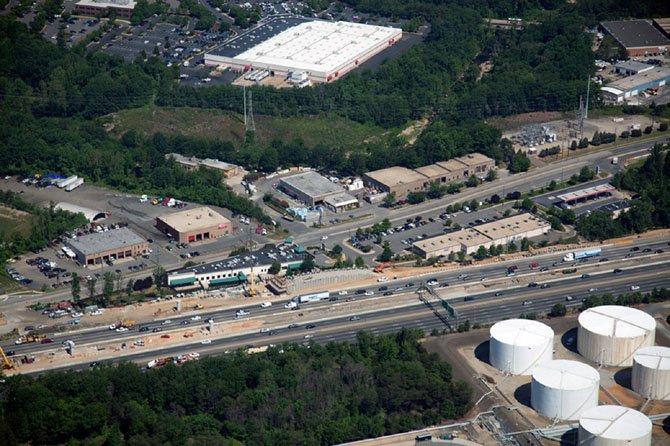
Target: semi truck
x=583, y=254
x=75, y=184
x=314, y=297
x=67, y=181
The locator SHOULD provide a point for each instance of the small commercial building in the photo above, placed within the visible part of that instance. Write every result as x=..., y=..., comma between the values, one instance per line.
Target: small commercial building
x=115, y=244
x=573, y=198
x=400, y=181
x=309, y=187
x=341, y=202
x=630, y=67
x=193, y=163
x=468, y=240
x=514, y=228
x=193, y=225
x=628, y=87
x=122, y=8
x=637, y=37
x=235, y=270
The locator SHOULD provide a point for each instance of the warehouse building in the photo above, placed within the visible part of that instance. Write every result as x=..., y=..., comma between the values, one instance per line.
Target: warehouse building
x=403, y=181
x=193, y=163
x=638, y=37
x=122, y=8
x=193, y=225
x=630, y=67
x=324, y=50
x=311, y=188
x=235, y=270
x=500, y=232
x=663, y=25
x=618, y=91
x=108, y=246
x=341, y=202
x=400, y=181
x=514, y=228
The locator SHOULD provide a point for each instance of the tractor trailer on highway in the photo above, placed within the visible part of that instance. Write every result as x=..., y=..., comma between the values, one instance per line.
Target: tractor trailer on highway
x=583, y=254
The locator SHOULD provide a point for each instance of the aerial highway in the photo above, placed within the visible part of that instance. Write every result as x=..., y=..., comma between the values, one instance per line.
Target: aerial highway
x=495, y=297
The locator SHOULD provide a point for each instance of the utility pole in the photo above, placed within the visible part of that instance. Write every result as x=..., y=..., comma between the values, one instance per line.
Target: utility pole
x=244, y=94
x=251, y=125
x=588, y=90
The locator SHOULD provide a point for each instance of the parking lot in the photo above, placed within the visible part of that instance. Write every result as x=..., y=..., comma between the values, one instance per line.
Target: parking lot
x=140, y=217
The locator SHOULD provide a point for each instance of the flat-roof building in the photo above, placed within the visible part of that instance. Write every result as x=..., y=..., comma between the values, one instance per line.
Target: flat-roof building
x=235, y=270
x=341, y=202
x=514, y=228
x=309, y=187
x=622, y=89
x=122, y=8
x=468, y=240
x=630, y=67
x=400, y=181
x=324, y=50
x=582, y=195
x=115, y=244
x=638, y=37
x=193, y=225
x=193, y=163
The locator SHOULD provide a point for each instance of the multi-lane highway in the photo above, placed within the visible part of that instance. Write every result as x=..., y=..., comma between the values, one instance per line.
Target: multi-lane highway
x=486, y=295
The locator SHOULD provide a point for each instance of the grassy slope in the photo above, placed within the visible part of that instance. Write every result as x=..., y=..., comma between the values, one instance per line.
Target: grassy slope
x=209, y=123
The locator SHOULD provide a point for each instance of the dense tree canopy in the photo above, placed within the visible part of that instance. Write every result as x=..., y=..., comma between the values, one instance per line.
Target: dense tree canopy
x=289, y=395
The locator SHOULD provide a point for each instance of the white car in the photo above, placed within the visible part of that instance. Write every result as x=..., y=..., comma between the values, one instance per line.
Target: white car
x=634, y=287
x=382, y=279
x=206, y=341
x=324, y=237
x=96, y=313
x=266, y=304
x=121, y=329
x=76, y=315
x=290, y=305
x=196, y=318
x=265, y=330
x=432, y=282
x=241, y=313
x=113, y=327
x=308, y=336
x=369, y=293
x=166, y=322
x=343, y=293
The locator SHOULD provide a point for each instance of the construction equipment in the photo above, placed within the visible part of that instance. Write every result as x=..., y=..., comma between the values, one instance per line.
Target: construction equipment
x=7, y=364
x=27, y=339
x=383, y=266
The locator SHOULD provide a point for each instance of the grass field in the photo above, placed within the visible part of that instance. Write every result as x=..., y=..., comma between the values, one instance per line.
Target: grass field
x=211, y=123
x=12, y=221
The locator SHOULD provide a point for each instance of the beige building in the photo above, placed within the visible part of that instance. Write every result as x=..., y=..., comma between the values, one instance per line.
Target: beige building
x=402, y=181
x=94, y=249
x=500, y=232
x=514, y=228
x=193, y=163
x=398, y=180
x=194, y=225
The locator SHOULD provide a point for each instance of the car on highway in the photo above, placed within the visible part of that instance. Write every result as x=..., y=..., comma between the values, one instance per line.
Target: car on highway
x=585, y=276
x=634, y=249
x=272, y=333
x=444, y=284
x=94, y=364
x=628, y=256
x=156, y=330
x=569, y=298
x=544, y=268
x=196, y=318
x=432, y=282
x=342, y=293
x=355, y=318
x=239, y=313
x=308, y=336
x=617, y=270
x=185, y=322
x=532, y=285
x=498, y=294
x=369, y=293
x=143, y=329
x=333, y=299
x=309, y=326
x=293, y=326
x=545, y=285
x=382, y=279
x=527, y=302
x=206, y=341
x=388, y=293
x=533, y=265
x=360, y=291
x=469, y=299
x=603, y=260
x=266, y=304
x=46, y=341
x=121, y=329
x=634, y=287
x=76, y=314
x=462, y=276
x=265, y=330
x=593, y=290
x=166, y=322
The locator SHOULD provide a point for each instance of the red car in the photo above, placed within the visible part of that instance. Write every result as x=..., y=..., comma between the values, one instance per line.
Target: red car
x=47, y=341
x=533, y=265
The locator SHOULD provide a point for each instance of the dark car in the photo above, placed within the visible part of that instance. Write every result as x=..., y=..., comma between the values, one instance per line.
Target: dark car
x=545, y=285
x=603, y=260
x=532, y=285
x=143, y=329
x=659, y=251
x=360, y=291
x=333, y=299
x=498, y=293
x=293, y=326
x=634, y=249
x=310, y=326
x=157, y=329
x=10, y=353
x=585, y=276
x=617, y=270
x=383, y=288
x=468, y=299
x=47, y=341
x=388, y=293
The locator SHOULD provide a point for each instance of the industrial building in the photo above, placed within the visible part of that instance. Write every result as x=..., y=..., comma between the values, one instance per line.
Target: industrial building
x=312, y=189
x=115, y=244
x=122, y=8
x=618, y=91
x=563, y=389
x=235, y=270
x=193, y=163
x=638, y=37
x=324, y=50
x=518, y=345
x=609, y=335
x=90, y=214
x=193, y=225
x=651, y=373
x=630, y=67
x=663, y=25
x=573, y=198
x=612, y=425
x=499, y=232
x=341, y=202
x=402, y=181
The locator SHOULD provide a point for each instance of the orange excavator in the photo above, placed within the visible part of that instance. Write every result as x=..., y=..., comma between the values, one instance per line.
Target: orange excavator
x=383, y=266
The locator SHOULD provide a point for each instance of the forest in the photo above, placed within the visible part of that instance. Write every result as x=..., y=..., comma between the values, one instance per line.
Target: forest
x=650, y=182
x=289, y=395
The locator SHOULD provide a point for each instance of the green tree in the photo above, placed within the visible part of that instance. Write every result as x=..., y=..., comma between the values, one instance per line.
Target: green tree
x=129, y=287
x=482, y=253
x=389, y=199
x=387, y=253
x=307, y=265
x=90, y=284
x=275, y=267
x=525, y=244
x=416, y=197
x=107, y=285
x=436, y=190
x=558, y=310
x=511, y=246
x=492, y=175
x=451, y=257
x=76, y=288
x=336, y=251
x=461, y=256
x=159, y=276
x=359, y=262
x=527, y=204
x=473, y=181
x=519, y=163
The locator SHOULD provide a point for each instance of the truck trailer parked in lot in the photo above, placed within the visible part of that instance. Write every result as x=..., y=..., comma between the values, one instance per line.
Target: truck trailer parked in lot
x=75, y=184
x=584, y=254
x=67, y=181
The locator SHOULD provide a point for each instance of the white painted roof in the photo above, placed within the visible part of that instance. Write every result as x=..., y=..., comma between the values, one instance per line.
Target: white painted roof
x=657, y=358
x=615, y=422
x=614, y=320
x=565, y=375
x=522, y=332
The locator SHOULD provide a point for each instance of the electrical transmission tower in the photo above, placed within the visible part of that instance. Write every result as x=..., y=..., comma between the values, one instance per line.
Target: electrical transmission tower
x=249, y=117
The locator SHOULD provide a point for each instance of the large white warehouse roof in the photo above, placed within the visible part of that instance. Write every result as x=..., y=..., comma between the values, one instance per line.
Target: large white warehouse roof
x=617, y=321
x=615, y=423
x=565, y=375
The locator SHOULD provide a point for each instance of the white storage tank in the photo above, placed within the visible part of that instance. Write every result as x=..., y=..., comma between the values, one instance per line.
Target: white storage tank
x=614, y=426
x=518, y=345
x=651, y=372
x=563, y=389
x=610, y=334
